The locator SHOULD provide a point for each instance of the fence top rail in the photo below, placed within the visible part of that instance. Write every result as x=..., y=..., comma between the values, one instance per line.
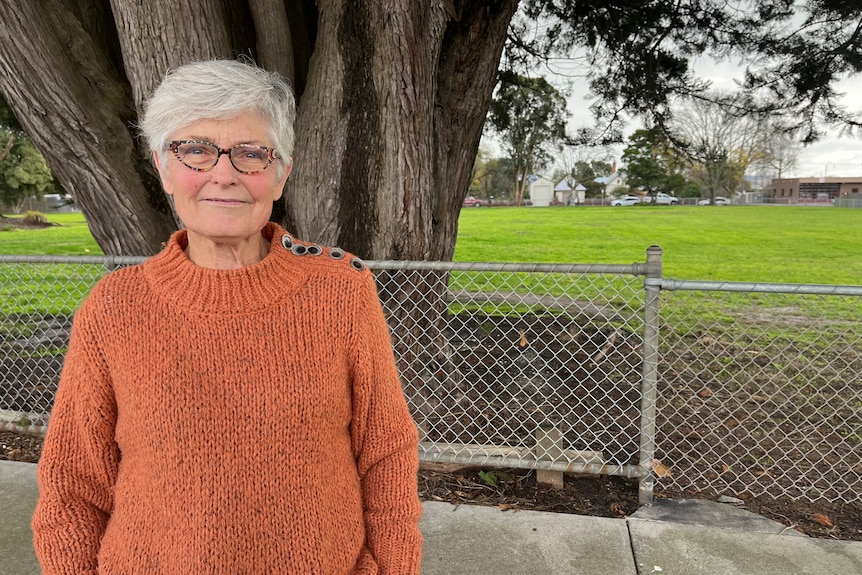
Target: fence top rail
x=802, y=289
x=76, y=260
x=635, y=269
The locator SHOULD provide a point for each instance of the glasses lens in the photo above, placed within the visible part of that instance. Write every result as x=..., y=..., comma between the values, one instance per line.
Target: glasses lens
x=249, y=158
x=197, y=154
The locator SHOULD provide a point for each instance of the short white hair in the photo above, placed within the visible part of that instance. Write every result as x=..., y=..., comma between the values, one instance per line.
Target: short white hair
x=220, y=90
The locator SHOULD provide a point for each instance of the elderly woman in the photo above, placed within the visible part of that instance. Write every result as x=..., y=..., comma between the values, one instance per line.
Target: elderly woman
x=232, y=404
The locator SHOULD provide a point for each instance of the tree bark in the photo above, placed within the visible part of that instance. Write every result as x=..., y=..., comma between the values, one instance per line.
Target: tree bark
x=390, y=123
x=65, y=91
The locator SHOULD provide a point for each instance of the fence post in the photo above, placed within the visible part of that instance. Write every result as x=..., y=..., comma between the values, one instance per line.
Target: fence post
x=652, y=297
x=549, y=446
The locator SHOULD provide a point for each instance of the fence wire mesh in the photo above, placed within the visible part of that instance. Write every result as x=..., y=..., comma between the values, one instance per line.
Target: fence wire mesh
x=543, y=366
x=38, y=296
x=761, y=393
x=521, y=367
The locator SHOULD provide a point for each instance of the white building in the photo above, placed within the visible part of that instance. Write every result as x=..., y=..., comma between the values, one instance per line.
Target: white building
x=541, y=192
x=566, y=195
x=612, y=183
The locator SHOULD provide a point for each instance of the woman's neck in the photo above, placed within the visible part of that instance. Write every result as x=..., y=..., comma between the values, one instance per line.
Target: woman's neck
x=209, y=253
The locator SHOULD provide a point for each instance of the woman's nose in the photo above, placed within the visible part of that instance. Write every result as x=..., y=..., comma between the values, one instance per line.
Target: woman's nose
x=224, y=170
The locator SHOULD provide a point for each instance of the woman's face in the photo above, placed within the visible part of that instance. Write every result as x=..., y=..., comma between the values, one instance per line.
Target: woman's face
x=223, y=205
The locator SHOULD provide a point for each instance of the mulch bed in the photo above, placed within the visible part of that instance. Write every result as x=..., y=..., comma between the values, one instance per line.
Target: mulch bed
x=514, y=490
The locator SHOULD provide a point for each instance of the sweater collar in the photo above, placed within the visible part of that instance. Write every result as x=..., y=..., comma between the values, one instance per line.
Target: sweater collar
x=249, y=289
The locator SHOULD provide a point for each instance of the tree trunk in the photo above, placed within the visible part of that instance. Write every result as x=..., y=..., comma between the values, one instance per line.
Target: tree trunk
x=390, y=122
x=8, y=147
x=62, y=85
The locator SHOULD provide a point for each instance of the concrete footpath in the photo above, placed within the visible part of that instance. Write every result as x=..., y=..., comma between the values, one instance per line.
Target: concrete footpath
x=673, y=537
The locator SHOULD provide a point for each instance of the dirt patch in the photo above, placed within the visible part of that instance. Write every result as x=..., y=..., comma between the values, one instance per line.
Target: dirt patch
x=28, y=222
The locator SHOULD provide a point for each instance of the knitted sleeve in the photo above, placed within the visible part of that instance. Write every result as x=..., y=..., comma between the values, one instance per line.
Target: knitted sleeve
x=79, y=461
x=385, y=444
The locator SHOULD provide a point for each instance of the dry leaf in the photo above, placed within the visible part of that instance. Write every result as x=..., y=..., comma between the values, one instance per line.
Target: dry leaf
x=523, y=342
x=821, y=519
x=705, y=392
x=618, y=508
x=764, y=473
x=724, y=468
x=660, y=469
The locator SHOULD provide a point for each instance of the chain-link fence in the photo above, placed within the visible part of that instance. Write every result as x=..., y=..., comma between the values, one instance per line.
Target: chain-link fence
x=731, y=388
x=761, y=389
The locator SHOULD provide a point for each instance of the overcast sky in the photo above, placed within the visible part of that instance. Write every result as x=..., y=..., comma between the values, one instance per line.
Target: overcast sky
x=832, y=156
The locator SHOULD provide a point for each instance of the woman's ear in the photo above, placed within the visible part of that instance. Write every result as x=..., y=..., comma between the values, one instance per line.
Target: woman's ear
x=164, y=173
x=279, y=188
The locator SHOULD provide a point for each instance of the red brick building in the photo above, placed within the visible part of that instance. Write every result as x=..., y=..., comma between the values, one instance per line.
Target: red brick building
x=813, y=190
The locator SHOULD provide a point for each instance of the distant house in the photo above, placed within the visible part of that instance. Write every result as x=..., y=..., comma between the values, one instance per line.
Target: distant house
x=612, y=183
x=541, y=192
x=568, y=196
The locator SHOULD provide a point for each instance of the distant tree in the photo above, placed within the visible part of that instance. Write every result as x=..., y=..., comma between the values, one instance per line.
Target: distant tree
x=643, y=166
x=529, y=115
x=781, y=153
x=10, y=126
x=718, y=144
x=652, y=164
x=585, y=173
x=690, y=190
x=23, y=172
x=493, y=178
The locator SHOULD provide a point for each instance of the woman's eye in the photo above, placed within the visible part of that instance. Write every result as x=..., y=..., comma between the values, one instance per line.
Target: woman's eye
x=251, y=153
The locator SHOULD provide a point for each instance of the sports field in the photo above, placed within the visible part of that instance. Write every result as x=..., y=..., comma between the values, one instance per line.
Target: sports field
x=731, y=243
x=784, y=244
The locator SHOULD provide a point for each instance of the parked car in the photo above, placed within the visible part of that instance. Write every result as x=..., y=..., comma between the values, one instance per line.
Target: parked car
x=626, y=201
x=719, y=201
x=663, y=199
x=471, y=202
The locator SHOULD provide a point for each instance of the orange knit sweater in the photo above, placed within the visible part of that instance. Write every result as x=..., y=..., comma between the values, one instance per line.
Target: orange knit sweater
x=247, y=421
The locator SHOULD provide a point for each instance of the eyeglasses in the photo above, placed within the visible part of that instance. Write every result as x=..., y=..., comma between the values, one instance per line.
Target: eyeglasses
x=202, y=156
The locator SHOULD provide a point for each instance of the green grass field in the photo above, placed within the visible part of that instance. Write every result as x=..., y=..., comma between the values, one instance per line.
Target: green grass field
x=71, y=237
x=731, y=243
